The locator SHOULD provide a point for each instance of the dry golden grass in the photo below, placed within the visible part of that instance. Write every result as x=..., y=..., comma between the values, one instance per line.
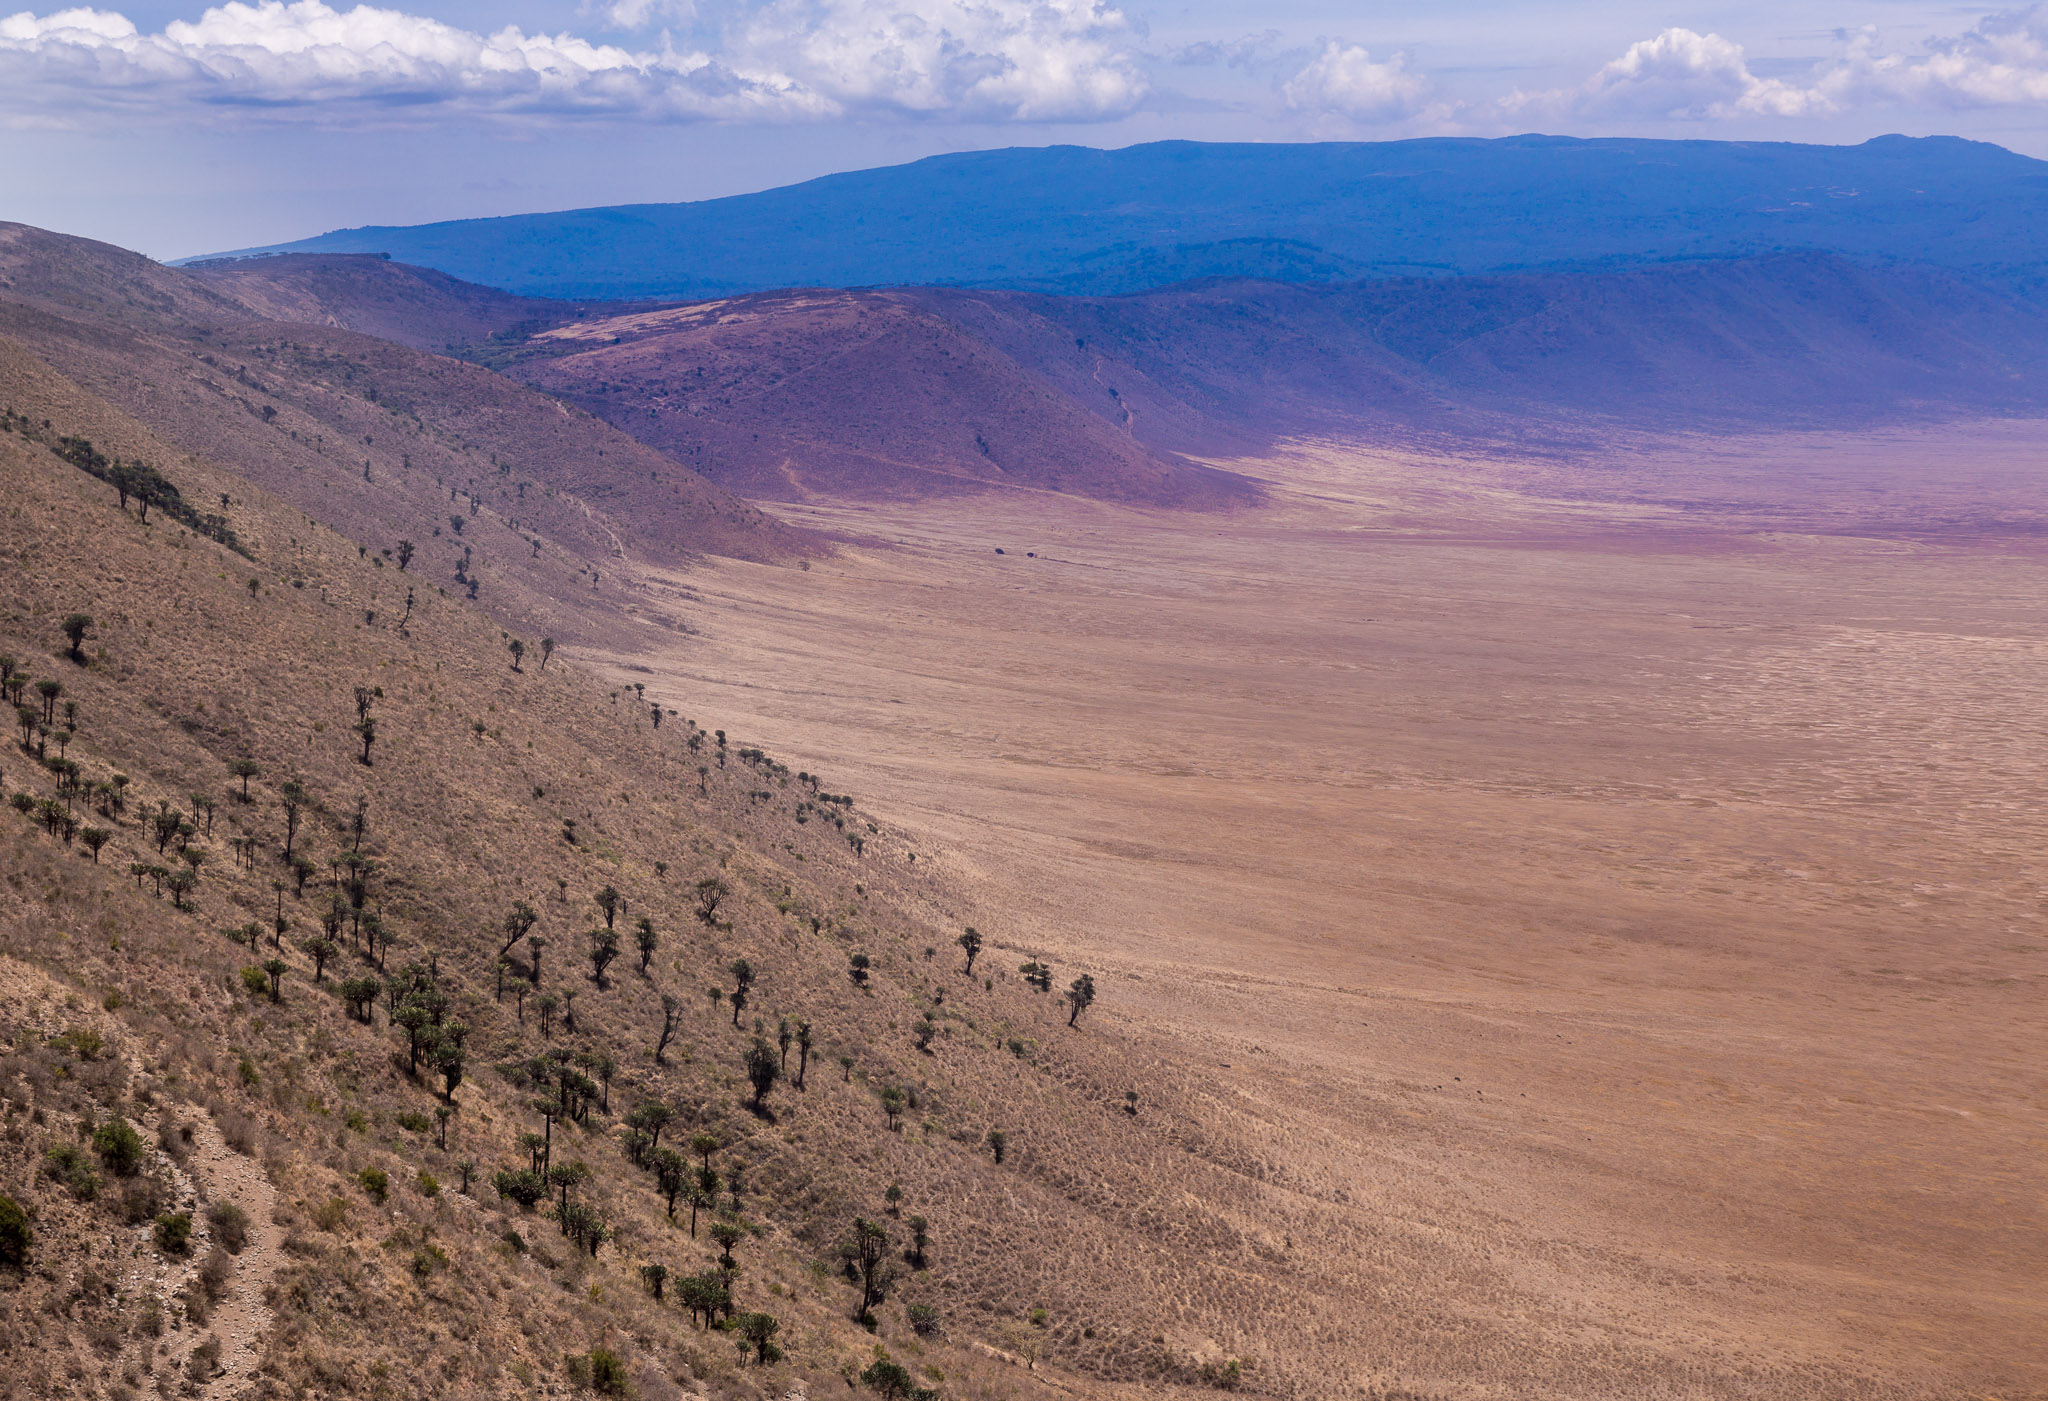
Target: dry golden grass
x=1599, y=906
x=190, y=669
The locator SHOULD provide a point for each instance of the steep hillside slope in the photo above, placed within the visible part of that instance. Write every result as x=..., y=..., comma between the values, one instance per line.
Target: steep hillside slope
x=413, y=306
x=849, y=394
x=844, y=394
x=1790, y=340
x=1088, y=222
x=200, y=1009
x=492, y=484
x=790, y=394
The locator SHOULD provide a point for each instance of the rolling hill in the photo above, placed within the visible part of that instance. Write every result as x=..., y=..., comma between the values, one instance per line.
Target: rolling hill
x=902, y=392
x=1088, y=222
x=916, y=391
x=493, y=485
x=416, y=307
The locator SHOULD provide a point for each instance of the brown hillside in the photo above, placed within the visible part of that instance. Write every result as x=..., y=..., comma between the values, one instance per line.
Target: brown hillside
x=380, y=441
x=788, y=395
x=492, y=785
x=1797, y=340
x=419, y=307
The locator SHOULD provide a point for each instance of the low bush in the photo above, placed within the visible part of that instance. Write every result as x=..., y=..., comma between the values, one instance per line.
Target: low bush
x=230, y=1226
x=17, y=1236
x=120, y=1147
x=70, y=1166
x=173, y=1233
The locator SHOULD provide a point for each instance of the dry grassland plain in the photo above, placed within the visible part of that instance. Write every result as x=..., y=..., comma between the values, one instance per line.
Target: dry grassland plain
x=1621, y=883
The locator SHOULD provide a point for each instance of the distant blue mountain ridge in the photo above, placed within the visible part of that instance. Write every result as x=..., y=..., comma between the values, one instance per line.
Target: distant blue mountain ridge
x=1074, y=220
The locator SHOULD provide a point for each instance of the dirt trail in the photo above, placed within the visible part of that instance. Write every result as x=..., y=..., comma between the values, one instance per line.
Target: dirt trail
x=242, y=1317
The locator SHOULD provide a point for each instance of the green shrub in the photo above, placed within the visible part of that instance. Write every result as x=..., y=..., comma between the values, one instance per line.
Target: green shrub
x=329, y=1215
x=173, y=1233
x=17, y=1237
x=230, y=1226
x=256, y=981
x=413, y=1120
x=430, y=1185
x=892, y=1380
x=81, y=1041
x=376, y=1182
x=72, y=1168
x=119, y=1146
x=608, y=1373
x=523, y=1186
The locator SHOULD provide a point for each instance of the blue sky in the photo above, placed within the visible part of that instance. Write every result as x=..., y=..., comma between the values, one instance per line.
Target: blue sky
x=177, y=128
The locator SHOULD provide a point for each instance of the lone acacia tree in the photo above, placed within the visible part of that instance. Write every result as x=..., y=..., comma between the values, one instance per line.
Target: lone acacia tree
x=763, y=1071
x=518, y=924
x=670, y=1012
x=647, y=941
x=1080, y=996
x=803, y=1050
x=710, y=891
x=971, y=942
x=742, y=983
x=651, y=1118
x=366, y=724
x=868, y=1252
x=727, y=1232
x=671, y=1175
x=611, y=902
x=604, y=948
x=293, y=797
x=75, y=627
x=760, y=1330
x=244, y=769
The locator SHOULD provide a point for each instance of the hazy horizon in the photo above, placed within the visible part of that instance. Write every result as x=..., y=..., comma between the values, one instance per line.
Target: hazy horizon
x=175, y=130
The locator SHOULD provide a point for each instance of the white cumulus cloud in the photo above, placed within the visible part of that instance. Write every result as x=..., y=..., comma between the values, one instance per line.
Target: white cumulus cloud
x=1020, y=60
x=2002, y=61
x=1023, y=60
x=640, y=14
x=1679, y=74
x=1346, y=80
